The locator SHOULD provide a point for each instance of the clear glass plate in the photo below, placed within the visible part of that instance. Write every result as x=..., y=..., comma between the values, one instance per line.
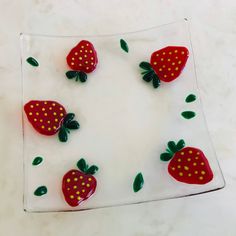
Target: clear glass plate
x=125, y=122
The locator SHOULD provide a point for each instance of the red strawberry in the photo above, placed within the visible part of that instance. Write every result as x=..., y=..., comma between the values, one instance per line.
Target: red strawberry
x=188, y=165
x=77, y=186
x=81, y=59
x=165, y=64
x=49, y=117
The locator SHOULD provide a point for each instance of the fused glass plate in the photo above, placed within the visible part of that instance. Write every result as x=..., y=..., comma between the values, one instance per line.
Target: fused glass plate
x=125, y=123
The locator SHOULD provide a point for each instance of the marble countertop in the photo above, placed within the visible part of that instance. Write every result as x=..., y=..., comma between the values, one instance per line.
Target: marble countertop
x=213, y=38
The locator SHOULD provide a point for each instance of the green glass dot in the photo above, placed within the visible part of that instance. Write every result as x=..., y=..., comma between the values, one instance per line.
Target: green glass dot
x=190, y=98
x=37, y=161
x=188, y=114
x=124, y=45
x=32, y=61
x=40, y=191
x=138, y=182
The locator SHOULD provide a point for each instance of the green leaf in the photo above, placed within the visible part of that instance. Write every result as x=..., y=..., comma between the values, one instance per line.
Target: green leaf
x=73, y=125
x=81, y=164
x=188, y=114
x=138, y=182
x=148, y=76
x=40, y=191
x=145, y=65
x=62, y=135
x=37, y=161
x=32, y=61
x=82, y=76
x=155, y=81
x=124, y=45
x=92, y=170
x=71, y=74
x=190, y=98
x=171, y=145
x=165, y=156
x=68, y=118
x=180, y=144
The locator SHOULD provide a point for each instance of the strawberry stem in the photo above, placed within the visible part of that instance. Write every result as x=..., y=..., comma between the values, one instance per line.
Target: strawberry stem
x=84, y=167
x=149, y=74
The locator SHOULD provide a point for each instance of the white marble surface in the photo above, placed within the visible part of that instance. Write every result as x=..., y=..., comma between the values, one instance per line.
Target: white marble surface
x=213, y=38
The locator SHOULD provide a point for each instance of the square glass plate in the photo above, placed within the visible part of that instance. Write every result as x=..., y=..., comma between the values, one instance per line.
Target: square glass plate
x=125, y=124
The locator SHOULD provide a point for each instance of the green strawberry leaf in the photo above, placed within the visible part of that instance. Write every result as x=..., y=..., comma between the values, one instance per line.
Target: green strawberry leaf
x=68, y=118
x=82, y=76
x=92, y=170
x=73, y=125
x=180, y=144
x=171, y=145
x=124, y=45
x=145, y=72
x=138, y=182
x=62, y=135
x=37, y=161
x=166, y=156
x=148, y=76
x=188, y=114
x=155, y=81
x=32, y=61
x=40, y=191
x=81, y=164
x=145, y=65
x=190, y=98
x=71, y=74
